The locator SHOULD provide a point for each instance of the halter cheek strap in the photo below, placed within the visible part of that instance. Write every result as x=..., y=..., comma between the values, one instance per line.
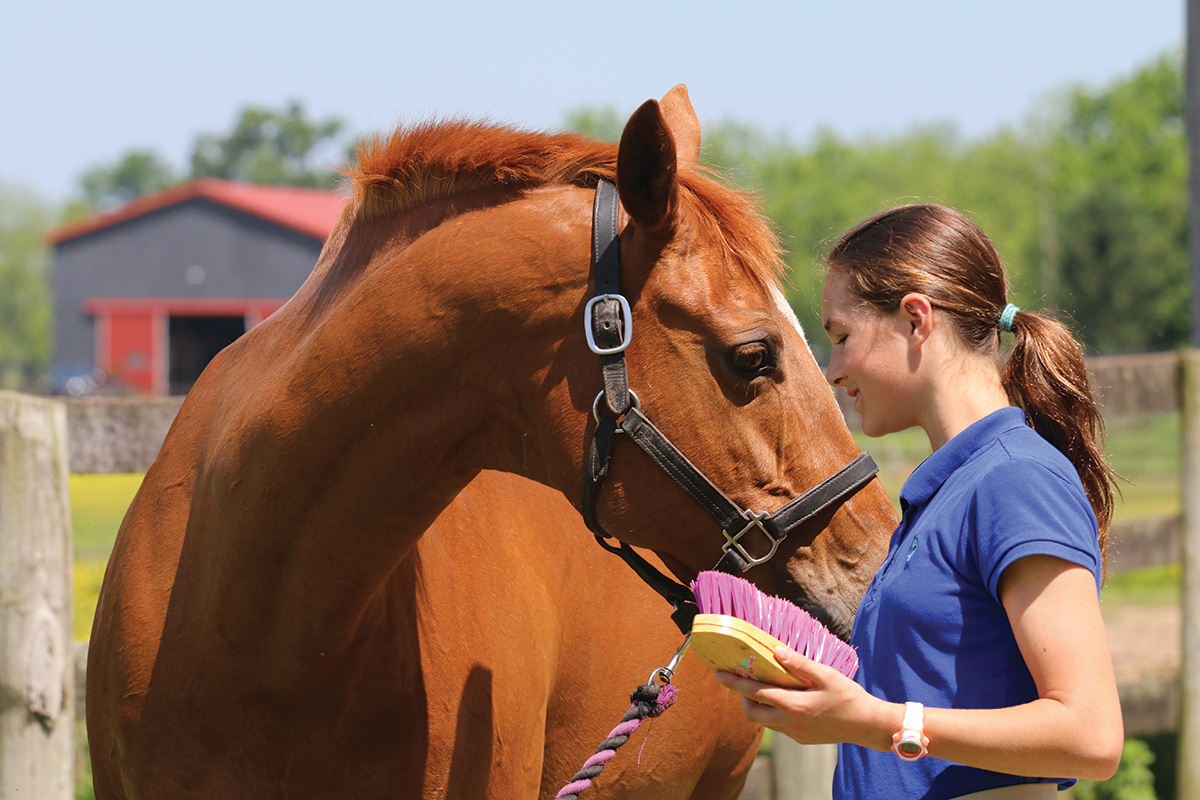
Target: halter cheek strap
x=608, y=325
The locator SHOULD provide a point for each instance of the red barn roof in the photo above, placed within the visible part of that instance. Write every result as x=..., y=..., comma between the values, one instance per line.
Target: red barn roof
x=312, y=212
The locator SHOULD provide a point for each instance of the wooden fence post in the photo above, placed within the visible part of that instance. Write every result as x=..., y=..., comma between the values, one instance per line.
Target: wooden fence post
x=802, y=771
x=37, y=691
x=1189, y=673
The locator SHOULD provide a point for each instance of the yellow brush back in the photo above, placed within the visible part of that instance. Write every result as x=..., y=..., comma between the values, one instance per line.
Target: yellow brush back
x=729, y=644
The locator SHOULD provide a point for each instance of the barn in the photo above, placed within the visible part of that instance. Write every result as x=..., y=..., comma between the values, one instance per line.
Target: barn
x=147, y=293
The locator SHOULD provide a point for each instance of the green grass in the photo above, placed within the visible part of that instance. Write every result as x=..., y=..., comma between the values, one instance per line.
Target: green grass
x=1150, y=586
x=98, y=504
x=1146, y=451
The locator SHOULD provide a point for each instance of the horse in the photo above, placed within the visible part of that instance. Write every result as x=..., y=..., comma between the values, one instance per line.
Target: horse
x=357, y=566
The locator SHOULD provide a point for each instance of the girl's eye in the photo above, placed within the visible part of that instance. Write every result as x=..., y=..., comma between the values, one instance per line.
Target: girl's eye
x=752, y=360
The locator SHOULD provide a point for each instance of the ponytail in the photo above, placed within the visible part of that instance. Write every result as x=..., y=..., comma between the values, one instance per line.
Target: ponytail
x=1045, y=375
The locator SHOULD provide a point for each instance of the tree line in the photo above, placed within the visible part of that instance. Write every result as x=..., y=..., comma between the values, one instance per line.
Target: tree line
x=1086, y=200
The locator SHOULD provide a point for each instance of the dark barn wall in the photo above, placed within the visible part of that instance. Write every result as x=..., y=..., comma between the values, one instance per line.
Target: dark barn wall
x=149, y=256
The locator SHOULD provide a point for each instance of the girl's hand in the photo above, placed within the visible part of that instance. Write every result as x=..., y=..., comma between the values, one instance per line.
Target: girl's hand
x=834, y=709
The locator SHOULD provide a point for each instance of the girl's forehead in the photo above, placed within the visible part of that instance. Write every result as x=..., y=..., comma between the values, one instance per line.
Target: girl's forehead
x=836, y=299
x=835, y=288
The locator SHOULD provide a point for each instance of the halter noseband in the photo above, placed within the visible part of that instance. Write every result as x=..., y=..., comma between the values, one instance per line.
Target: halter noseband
x=608, y=325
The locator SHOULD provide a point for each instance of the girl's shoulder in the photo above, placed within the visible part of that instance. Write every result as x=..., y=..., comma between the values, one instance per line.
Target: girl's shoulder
x=1020, y=457
x=1027, y=499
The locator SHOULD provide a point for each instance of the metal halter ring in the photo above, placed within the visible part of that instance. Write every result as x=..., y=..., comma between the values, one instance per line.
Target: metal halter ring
x=596, y=406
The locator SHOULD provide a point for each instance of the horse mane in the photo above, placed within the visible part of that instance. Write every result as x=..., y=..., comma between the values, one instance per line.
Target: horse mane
x=439, y=159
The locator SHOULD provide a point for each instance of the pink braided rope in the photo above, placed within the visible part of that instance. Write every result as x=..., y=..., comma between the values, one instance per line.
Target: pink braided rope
x=664, y=699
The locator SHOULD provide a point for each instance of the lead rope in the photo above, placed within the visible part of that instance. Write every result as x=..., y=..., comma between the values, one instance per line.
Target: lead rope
x=650, y=700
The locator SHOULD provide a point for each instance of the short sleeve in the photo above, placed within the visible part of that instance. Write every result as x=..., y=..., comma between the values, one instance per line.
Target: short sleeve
x=1022, y=508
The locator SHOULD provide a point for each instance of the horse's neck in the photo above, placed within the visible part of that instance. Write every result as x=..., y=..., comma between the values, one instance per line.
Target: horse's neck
x=344, y=425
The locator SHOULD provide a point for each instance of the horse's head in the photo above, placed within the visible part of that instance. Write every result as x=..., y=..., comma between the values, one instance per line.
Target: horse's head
x=463, y=269
x=718, y=362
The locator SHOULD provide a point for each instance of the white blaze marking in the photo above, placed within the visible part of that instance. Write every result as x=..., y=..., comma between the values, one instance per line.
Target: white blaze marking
x=786, y=310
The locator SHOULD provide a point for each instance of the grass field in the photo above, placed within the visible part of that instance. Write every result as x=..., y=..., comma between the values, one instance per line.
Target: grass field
x=98, y=504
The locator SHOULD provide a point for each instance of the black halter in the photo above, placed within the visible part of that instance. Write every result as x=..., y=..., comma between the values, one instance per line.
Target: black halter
x=608, y=325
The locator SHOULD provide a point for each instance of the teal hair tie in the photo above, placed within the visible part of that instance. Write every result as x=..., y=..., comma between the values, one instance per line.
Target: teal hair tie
x=1007, y=316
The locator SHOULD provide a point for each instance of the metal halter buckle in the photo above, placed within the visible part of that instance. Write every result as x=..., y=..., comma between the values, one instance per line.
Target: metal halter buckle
x=733, y=543
x=626, y=312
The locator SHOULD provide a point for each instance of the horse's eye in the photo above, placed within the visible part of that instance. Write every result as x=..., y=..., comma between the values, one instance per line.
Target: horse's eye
x=754, y=359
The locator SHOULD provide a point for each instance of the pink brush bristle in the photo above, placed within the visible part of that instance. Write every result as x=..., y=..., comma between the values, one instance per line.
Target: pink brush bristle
x=721, y=593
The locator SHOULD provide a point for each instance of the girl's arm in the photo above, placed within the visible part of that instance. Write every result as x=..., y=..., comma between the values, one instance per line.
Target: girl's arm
x=1073, y=729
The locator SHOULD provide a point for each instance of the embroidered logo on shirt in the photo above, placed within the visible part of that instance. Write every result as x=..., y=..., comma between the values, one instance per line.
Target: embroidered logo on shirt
x=912, y=550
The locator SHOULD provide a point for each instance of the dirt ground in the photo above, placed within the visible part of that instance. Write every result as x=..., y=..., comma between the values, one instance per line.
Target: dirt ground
x=1144, y=640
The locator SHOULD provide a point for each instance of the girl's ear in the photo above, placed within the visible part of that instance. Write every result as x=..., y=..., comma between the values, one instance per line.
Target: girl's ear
x=917, y=311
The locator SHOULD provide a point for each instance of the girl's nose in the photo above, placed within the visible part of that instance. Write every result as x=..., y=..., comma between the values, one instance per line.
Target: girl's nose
x=833, y=374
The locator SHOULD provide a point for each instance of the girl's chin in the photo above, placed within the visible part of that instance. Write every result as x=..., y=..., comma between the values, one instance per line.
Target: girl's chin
x=872, y=427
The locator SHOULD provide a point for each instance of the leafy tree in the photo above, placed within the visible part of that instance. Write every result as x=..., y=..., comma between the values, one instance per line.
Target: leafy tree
x=268, y=146
x=137, y=173
x=1120, y=183
x=1123, y=281
x=280, y=147
x=24, y=288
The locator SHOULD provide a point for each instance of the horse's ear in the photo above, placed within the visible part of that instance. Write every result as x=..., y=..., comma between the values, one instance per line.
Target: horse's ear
x=646, y=171
x=684, y=125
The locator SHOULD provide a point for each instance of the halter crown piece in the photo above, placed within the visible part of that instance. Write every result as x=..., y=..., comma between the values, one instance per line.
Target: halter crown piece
x=1006, y=318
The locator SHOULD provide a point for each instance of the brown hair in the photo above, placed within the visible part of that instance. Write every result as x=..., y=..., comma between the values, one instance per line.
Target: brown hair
x=936, y=251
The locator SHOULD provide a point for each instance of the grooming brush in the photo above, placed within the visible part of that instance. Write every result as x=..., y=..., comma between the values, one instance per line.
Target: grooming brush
x=739, y=627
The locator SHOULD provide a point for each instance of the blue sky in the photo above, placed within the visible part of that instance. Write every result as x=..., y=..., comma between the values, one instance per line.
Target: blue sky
x=83, y=82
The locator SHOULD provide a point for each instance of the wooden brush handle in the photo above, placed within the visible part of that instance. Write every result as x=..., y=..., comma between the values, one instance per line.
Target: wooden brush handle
x=729, y=644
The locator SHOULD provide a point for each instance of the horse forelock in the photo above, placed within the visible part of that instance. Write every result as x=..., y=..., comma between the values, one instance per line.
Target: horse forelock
x=441, y=158
x=735, y=219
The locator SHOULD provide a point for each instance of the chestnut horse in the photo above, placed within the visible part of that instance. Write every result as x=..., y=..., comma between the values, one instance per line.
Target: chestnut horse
x=357, y=568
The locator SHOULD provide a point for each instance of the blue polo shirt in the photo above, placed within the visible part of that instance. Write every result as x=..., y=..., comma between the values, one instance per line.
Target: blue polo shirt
x=931, y=628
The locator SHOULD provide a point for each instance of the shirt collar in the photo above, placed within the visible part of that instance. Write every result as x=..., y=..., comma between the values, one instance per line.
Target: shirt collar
x=927, y=478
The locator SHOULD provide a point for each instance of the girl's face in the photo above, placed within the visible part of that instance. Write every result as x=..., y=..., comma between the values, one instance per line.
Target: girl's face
x=871, y=359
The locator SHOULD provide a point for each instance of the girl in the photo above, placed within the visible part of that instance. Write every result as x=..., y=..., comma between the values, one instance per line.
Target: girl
x=985, y=670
